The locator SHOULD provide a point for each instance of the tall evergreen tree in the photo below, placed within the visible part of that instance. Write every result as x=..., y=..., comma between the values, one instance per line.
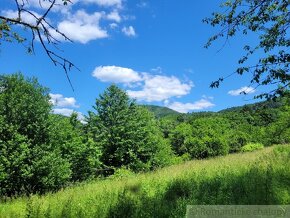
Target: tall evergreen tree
x=128, y=134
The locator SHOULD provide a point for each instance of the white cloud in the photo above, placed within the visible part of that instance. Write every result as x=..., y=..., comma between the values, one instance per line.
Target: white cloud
x=116, y=74
x=81, y=33
x=153, y=87
x=157, y=70
x=106, y=3
x=26, y=17
x=68, y=112
x=186, y=107
x=46, y=4
x=113, y=25
x=59, y=101
x=63, y=111
x=115, y=16
x=159, y=88
x=63, y=105
x=242, y=90
x=166, y=102
x=73, y=21
x=82, y=27
x=129, y=31
x=59, y=3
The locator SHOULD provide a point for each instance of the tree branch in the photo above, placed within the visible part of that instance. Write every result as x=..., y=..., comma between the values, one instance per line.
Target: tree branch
x=42, y=29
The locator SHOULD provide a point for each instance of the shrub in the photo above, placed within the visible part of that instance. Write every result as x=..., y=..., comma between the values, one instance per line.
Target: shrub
x=122, y=172
x=28, y=162
x=82, y=153
x=236, y=140
x=252, y=147
x=178, y=137
x=208, y=147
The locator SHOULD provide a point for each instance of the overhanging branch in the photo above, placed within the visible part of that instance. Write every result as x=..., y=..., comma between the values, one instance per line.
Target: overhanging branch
x=43, y=30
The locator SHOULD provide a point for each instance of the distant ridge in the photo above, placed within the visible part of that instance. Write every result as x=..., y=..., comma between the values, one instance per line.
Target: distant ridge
x=256, y=106
x=160, y=111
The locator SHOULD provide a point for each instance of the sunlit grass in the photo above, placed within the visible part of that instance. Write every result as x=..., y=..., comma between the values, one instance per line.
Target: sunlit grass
x=259, y=177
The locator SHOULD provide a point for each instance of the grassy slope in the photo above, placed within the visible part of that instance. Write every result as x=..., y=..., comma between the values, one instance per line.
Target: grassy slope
x=260, y=177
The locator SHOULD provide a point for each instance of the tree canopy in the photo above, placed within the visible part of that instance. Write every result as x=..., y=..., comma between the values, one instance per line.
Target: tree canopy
x=28, y=160
x=270, y=19
x=39, y=151
x=127, y=133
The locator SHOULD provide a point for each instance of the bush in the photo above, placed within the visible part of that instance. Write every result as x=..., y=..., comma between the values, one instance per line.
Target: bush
x=178, y=138
x=28, y=161
x=236, y=140
x=208, y=147
x=252, y=147
x=82, y=153
x=122, y=172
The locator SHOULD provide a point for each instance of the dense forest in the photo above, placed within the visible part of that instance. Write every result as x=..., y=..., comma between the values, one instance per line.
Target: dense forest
x=41, y=151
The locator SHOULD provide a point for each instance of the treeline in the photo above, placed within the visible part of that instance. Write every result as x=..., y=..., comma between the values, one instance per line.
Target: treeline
x=41, y=151
x=205, y=134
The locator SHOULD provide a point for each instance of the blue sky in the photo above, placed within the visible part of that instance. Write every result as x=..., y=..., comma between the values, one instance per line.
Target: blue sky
x=152, y=49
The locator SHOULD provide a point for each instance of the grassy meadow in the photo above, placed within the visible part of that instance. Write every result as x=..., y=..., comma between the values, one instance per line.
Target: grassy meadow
x=259, y=177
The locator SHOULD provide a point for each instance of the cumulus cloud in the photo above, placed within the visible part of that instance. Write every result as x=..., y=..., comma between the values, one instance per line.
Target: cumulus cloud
x=159, y=88
x=68, y=112
x=116, y=74
x=114, y=16
x=157, y=70
x=63, y=105
x=63, y=111
x=73, y=21
x=59, y=100
x=82, y=27
x=59, y=3
x=242, y=90
x=106, y=3
x=152, y=87
x=113, y=25
x=26, y=17
x=44, y=5
x=129, y=31
x=187, y=107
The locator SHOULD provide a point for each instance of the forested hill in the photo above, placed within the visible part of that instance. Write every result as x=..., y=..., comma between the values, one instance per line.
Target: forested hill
x=256, y=106
x=160, y=111
x=259, y=107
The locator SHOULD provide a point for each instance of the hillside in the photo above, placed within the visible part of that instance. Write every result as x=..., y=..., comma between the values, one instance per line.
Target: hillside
x=256, y=106
x=244, y=178
x=161, y=111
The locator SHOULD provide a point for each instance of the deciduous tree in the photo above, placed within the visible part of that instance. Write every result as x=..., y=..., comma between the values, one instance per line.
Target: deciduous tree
x=270, y=19
x=28, y=161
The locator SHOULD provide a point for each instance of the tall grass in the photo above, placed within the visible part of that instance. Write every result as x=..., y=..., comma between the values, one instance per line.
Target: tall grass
x=259, y=177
